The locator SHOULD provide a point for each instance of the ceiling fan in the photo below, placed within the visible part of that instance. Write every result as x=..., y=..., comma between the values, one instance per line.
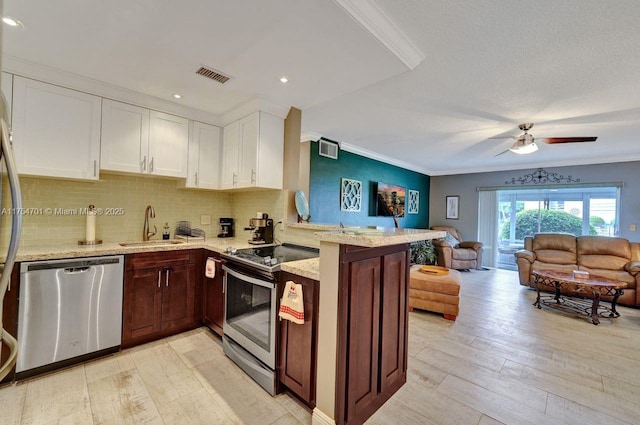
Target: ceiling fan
x=525, y=143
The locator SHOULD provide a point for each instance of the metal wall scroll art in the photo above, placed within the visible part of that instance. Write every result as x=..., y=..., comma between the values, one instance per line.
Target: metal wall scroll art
x=542, y=176
x=350, y=195
x=414, y=202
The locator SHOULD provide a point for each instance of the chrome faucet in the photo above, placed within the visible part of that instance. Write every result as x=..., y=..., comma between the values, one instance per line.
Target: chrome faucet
x=148, y=213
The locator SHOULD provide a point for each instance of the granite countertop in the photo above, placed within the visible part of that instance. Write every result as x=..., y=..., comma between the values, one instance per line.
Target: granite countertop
x=369, y=237
x=50, y=252
x=309, y=268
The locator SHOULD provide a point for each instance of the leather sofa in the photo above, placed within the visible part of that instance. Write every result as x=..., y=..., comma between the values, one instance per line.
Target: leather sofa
x=462, y=255
x=613, y=258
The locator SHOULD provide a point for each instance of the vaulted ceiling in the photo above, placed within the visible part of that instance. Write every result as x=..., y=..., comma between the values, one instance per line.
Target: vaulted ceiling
x=423, y=84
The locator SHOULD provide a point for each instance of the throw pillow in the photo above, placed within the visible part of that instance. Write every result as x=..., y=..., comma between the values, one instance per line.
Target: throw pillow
x=451, y=240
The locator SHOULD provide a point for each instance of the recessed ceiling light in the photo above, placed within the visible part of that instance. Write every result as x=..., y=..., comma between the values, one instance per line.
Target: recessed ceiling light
x=177, y=96
x=12, y=22
x=284, y=80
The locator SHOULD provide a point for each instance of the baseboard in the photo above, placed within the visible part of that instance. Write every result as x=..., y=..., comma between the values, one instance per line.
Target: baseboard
x=320, y=418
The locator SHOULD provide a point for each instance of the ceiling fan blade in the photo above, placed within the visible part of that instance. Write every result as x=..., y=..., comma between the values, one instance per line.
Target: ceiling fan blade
x=502, y=137
x=553, y=140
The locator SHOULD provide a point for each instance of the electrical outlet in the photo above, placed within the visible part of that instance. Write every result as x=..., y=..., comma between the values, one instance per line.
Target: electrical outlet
x=205, y=219
x=632, y=227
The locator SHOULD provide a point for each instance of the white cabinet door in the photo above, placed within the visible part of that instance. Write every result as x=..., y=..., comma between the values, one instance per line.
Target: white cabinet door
x=125, y=137
x=56, y=131
x=7, y=92
x=230, y=152
x=270, y=154
x=204, y=156
x=248, y=155
x=168, y=145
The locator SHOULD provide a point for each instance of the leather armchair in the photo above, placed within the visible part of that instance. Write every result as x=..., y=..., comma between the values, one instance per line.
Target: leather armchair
x=461, y=256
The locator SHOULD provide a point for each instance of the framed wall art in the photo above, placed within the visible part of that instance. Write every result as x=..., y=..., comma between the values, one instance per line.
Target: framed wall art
x=453, y=207
x=413, y=202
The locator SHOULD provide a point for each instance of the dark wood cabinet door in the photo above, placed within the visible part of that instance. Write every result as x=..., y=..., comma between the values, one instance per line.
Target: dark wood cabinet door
x=178, y=296
x=142, y=303
x=298, y=343
x=213, y=301
x=394, y=309
x=10, y=315
x=363, y=341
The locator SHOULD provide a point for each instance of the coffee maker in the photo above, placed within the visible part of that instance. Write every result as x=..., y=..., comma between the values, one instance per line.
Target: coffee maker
x=226, y=228
x=261, y=230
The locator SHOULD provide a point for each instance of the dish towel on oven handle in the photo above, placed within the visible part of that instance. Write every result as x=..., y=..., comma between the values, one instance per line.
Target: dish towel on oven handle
x=210, y=268
x=292, y=304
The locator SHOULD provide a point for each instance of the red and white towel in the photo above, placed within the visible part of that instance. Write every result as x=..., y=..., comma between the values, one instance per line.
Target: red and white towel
x=292, y=304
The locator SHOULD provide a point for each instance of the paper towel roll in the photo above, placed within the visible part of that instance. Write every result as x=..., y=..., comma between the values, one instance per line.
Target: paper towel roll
x=90, y=233
x=210, y=268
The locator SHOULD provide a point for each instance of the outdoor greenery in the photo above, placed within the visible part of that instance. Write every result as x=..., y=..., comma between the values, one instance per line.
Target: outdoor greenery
x=550, y=221
x=423, y=252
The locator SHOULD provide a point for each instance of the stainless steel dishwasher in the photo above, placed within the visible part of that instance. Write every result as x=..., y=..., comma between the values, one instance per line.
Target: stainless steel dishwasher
x=67, y=309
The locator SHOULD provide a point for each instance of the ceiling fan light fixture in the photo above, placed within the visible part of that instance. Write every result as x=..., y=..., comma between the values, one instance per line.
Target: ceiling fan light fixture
x=524, y=145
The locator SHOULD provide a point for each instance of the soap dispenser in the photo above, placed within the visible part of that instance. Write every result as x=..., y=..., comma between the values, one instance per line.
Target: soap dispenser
x=165, y=233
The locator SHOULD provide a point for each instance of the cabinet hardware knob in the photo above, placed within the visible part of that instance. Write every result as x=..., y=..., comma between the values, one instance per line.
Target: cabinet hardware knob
x=196, y=178
x=151, y=165
x=159, y=277
x=94, y=167
x=144, y=163
x=167, y=278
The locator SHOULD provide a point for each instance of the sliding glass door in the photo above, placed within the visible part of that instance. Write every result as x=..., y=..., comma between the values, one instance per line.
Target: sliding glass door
x=579, y=211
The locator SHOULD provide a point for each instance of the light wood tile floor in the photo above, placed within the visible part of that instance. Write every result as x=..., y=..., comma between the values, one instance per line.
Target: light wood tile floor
x=502, y=362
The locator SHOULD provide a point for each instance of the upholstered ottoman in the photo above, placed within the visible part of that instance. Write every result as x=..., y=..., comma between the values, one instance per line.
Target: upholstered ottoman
x=438, y=292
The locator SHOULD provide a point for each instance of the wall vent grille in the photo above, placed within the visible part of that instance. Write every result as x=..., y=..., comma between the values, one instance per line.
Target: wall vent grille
x=213, y=74
x=328, y=148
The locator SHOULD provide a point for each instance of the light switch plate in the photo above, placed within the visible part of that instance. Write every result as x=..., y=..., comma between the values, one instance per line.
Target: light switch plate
x=205, y=219
x=632, y=227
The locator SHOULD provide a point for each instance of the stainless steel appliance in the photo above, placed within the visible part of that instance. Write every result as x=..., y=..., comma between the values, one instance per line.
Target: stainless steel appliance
x=261, y=230
x=6, y=157
x=68, y=308
x=251, y=277
x=226, y=228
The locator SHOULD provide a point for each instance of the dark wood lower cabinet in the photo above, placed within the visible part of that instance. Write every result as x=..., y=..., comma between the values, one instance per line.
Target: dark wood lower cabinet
x=159, y=295
x=213, y=297
x=10, y=316
x=298, y=343
x=372, y=323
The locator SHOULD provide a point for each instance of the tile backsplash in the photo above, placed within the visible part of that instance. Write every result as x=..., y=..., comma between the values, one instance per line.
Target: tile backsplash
x=54, y=209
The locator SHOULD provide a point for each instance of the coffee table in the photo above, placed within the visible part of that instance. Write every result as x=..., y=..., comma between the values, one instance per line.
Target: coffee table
x=595, y=286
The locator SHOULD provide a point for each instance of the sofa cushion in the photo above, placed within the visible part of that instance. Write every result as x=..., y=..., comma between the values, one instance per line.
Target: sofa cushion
x=555, y=248
x=602, y=252
x=451, y=240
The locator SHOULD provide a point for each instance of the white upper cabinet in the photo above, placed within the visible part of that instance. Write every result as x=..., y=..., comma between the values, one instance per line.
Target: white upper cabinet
x=253, y=149
x=7, y=92
x=56, y=131
x=230, y=150
x=168, y=145
x=125, y=137
x=138, y=140
x=204, y=156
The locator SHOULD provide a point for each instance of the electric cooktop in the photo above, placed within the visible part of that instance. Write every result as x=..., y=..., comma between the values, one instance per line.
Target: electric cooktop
x=269, y=258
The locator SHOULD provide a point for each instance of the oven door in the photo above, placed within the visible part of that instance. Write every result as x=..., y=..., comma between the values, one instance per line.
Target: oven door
x=250, y=314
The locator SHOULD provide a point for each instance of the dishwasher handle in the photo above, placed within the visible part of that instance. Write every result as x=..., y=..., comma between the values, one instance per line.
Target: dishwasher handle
x=76, y=270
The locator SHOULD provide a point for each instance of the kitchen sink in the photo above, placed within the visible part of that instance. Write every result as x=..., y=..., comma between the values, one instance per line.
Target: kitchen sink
x=152, y=243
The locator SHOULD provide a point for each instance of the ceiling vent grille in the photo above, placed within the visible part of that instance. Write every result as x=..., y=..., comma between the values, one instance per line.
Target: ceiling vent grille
x=213, y=74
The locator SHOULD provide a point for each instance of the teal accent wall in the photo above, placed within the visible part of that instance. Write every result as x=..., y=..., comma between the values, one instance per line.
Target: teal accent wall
x=324, y=190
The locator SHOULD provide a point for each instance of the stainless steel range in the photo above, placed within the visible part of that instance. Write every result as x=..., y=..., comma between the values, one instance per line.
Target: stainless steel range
x=250, y=286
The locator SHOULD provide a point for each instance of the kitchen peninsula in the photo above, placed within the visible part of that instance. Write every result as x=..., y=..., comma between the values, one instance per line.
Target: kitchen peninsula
x=362, y=320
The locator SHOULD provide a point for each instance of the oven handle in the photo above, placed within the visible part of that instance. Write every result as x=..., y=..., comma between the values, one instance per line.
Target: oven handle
x=250, y=279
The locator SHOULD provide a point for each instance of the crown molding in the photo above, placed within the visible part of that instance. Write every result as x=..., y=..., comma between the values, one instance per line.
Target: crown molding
x=78, y=82
x=310, y=136
x=254, y=105
x=368, y=14
x=382, y=158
